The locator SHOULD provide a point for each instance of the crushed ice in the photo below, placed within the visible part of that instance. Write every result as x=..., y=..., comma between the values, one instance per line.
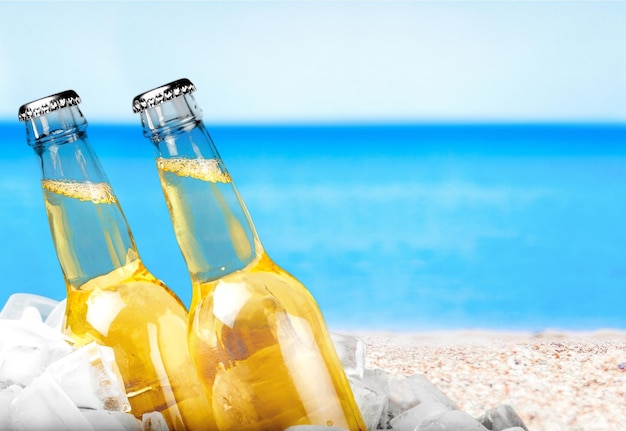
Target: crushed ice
x=47, y=384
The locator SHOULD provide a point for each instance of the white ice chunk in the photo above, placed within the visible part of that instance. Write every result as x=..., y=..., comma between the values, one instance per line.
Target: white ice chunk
x=20, y=303
x=6, y=406
x=26, y=349
x=417, y=415
x=44, y=406
x=313, y=428
x=371, y=402
x=351, y=351
x=378, y=380
x=409, y=392
x=501, y=418
x=106, y=420
x=91, y=378
x=57, y=316
x=154, y=421
x=453, y=420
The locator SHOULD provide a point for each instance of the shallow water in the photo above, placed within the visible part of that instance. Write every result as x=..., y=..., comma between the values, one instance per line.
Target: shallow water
x=390, y=227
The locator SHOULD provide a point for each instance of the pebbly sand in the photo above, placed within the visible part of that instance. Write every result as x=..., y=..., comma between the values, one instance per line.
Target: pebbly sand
x=555, y=381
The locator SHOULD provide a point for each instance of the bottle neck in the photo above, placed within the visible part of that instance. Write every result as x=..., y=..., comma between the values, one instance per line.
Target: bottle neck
x=89, y=230
x=213, y=228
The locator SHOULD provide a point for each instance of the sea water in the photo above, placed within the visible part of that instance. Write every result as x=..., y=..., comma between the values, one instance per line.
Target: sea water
x=412, y=227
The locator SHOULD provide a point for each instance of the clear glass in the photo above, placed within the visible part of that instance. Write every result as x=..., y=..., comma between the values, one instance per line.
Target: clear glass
x=256, y=334
x=111, y=297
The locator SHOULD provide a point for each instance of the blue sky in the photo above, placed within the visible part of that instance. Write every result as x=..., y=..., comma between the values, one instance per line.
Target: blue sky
x=320, y=61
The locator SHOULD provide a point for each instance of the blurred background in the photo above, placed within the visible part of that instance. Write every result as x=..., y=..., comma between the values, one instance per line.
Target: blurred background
x=417, y=165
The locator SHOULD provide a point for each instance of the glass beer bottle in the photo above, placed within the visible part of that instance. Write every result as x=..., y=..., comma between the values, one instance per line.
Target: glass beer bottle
x=111, y=297
x=257, y=336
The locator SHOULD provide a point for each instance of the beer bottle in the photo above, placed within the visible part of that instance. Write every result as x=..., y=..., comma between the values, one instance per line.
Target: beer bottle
x=111, y=297
x=256, y=334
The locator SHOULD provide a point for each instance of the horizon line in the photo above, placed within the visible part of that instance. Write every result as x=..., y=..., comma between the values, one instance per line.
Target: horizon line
x=363, y=124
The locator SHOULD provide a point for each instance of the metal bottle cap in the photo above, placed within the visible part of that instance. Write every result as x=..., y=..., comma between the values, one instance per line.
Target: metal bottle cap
x=162, y=94
x=48, y=104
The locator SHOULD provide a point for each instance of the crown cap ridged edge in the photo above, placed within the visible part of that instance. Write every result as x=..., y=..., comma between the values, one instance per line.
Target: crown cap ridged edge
x=48, y=104
x=161, y=94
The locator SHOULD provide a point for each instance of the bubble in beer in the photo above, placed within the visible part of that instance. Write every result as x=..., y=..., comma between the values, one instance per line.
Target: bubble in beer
x=201, y=169
x=98, y=193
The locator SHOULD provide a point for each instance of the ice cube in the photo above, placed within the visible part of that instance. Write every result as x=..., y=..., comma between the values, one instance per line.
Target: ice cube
x=452, y=420
x=422, y=412
x=409, y=392
x=106, y=420
x=154, y=421
x=372, y=403
x=376, y=379
x=313, y=428
x=57, y=315
x=26, y=349
x=20, y=303
x=6, y=406
x=501, y=418
x=44, y=406
x=91, y=378
x=351, y=351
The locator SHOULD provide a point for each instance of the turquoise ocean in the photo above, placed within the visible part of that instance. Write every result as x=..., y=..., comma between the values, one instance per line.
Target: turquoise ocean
x=391, y=227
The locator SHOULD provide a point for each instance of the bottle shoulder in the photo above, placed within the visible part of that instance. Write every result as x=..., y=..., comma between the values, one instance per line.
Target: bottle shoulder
x=133, y=282
x=259, y=291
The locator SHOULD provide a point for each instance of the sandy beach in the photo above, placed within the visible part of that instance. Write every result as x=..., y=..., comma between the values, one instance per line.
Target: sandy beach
x=570, y=381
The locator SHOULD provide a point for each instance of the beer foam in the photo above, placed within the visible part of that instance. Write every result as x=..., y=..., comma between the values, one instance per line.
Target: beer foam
x=98, y=193
x=201, y=169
